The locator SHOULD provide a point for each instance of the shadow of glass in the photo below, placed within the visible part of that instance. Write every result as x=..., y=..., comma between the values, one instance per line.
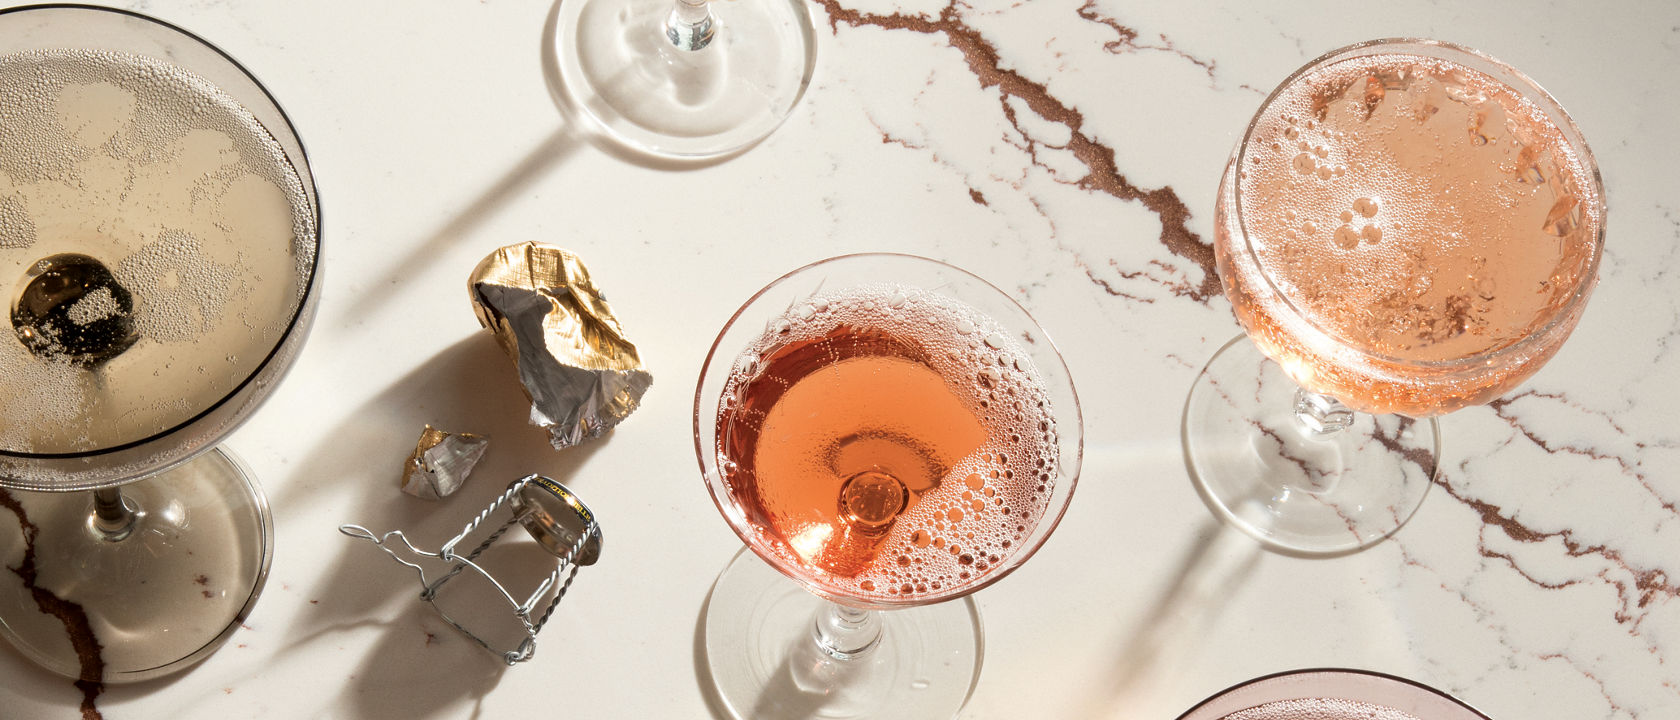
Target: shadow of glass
x=1221, y=560
x=703, y=669
x=800, y=687
x=541, y=160
x=398, y=683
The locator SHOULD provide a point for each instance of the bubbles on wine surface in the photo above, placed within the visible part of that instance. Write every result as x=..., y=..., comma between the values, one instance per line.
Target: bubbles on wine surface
x=196, y=215
x=1320, y=709
x=1458, y=221
x=888, y=382
x=1439, y=172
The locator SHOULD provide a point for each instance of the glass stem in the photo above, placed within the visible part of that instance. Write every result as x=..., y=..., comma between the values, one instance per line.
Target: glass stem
x=113, y=515
x=1321, y=414
x=690, y=26
x=845, y=633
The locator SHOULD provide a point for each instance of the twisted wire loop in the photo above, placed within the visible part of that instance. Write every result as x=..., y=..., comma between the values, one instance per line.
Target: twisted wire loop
x=457, y=563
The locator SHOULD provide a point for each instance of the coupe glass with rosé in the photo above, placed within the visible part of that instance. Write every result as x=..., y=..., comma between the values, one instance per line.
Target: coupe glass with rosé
x=1331, y=694
x=1407, y=228
x=890, y=433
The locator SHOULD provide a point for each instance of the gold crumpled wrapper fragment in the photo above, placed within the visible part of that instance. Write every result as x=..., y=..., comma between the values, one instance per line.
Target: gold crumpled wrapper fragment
x=582, y=376
x=441, y=462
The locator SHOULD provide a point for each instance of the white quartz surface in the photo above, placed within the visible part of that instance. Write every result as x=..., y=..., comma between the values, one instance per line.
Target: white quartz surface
x=1046, y=146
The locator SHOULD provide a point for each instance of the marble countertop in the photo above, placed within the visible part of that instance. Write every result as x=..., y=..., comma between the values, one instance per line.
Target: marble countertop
x=1066, y=150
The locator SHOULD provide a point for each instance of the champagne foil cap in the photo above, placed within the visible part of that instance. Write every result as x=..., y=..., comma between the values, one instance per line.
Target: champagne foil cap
x=582, y=376
x=441, y=462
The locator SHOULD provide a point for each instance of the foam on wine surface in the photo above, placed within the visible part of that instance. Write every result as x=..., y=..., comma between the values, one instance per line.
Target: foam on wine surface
x=1320, y=709
x=1416, y=212
x=899, y=382
x=192, y=206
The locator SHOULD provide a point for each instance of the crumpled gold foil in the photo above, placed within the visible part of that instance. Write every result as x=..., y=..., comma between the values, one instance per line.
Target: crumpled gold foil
x=582, y=376
x=441, y=462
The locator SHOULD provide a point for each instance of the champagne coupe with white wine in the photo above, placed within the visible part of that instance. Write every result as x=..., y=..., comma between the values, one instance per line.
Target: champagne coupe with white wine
x=1407, y=228
x=158, y=250
x=891, y=434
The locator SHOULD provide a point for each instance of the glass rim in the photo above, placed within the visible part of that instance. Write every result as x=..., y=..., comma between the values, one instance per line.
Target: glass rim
x=1331, y=671
x=1529, y=90
x=310, y=283
x=1048, y=522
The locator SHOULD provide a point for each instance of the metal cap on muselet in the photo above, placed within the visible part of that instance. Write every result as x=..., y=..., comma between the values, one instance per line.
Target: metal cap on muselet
x=558, y=520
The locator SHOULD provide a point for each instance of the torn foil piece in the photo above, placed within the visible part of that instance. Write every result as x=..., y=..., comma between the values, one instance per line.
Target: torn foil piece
x=582, y=376
x=441, y=462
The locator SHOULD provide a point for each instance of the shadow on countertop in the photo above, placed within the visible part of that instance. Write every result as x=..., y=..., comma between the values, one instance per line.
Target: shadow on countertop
x=421, y=665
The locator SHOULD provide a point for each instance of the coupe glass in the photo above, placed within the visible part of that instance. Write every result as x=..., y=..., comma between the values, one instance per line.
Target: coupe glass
x=1332, y=694
x=1407, y=228
x=891, y=434
x=158, y=248
x=683, y=79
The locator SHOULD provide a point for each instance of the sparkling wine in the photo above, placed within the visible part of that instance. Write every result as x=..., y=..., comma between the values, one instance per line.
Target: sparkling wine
x=155, y=245
x=1320, y=709
x=1397, y=226
x=887, y=442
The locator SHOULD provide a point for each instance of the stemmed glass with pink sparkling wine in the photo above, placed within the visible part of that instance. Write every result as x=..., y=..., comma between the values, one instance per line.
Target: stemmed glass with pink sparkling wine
x=1407, y=228
x=1331, y=694
x=891, y=434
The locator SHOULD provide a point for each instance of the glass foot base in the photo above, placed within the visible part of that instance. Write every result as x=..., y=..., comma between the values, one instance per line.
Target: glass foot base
x=1299, y=491
x=765, y=662
x=618, y=70
x=158, y=600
